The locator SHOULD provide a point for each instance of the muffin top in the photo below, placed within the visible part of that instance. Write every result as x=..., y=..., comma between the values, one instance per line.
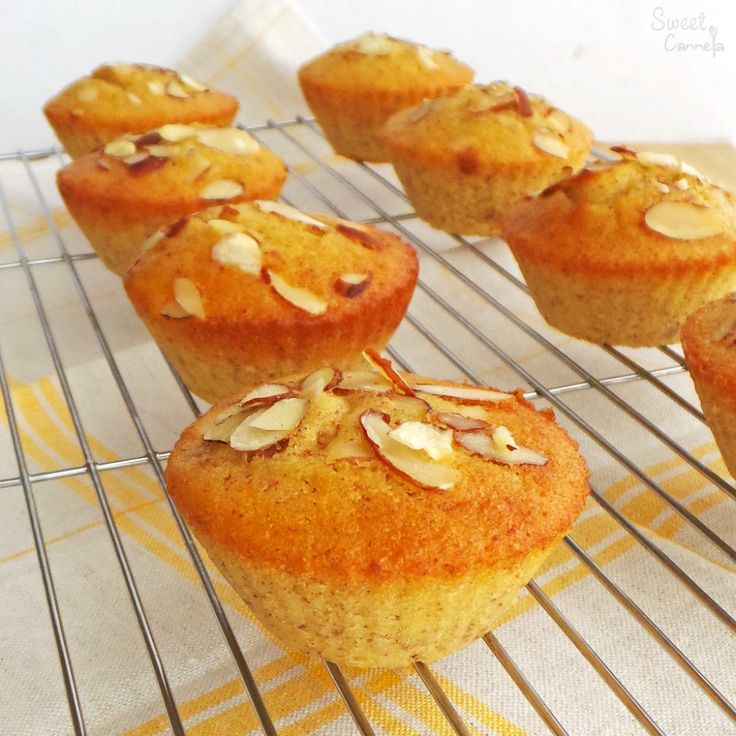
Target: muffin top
x=646, y=210
x=709, y=338
x=376, y=475
x=380, y=62
x=137, y=97
x=497, y=124
x=176, y=166
x=267, y=264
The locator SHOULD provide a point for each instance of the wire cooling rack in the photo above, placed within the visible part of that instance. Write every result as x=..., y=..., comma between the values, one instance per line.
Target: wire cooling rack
x=471, y=318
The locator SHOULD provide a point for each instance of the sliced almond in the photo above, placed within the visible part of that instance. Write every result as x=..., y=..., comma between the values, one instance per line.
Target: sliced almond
x=683, y=220
x=546, y=141
x=658, y=159
x=300, y=298
x=120, y=148
x=662, y=187
x=229, y=140
x=352, y=285
x=726, y=327
x=175, y=132
x=413, y=465
x=156, y=88
x=364, y=236
x=460, y=422
x=225, y=424
x=497, y=447
x=323, y=379
x=284, y=415
x=162, y=150
x=688, y=169
x=134, y=99
x=240, y=251
x=463, y=393
x=363, y=381
x=387, y=370
x=174, y=89
x=427, y=58
x=196, y=165
x=436, y=442
x=221, y=189
x=188, y=297
x=151, y=240
x=247, y=438
x=223, y=227
x=558, y=121
x=289, y=212
x=174, y=310
x=88, y=93
x=523, y=102
x=374, y=44
x=266, y=393
x=419, y=111
x=682, y=184
x=143, y=163
x=193, y=83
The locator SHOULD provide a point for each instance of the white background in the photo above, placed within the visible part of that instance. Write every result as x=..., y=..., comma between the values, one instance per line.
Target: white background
x=603, y=61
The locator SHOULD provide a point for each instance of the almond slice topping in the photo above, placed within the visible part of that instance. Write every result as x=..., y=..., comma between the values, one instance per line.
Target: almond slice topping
x=349, y=449
x=460, y=422
x=120, y=148
x=283, y=415
x=374, y=44
x=356, y=231
x=683, y=220
x=301, y=298
x=657, y=159
x=239, y=250
x=363, y=381
x=187, y=296
x=225, y=424
x=228, y=140
x=727, y=327
x=221, y=189
x=352, y=284
x=175, y=132
x=247, y=438
x=289, y=212
x=682, y=184
x=267, y=393
x=419, y=111
x=426, y=57
x=558, y=121
x=174, y=310
x=412, y=465
x=193, y=83
x=134, y=99
x=323, y=379
x=436, y=442
x=499, y=446
x=523, y=102
x=545, y=141
x=156, y=88
x=463, y=393
x=174, y=89
x=387, y=370
x=223, y=227
x=662, y=187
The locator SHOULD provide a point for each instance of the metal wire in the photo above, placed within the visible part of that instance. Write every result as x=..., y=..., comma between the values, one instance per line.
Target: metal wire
x=634, y=372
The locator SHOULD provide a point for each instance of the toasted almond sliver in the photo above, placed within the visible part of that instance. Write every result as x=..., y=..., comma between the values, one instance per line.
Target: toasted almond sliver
x=464, y=393
x=353, y=278
x=229, y=140
x=174, y=310
x=175, y=132
x=223, y=227
x=151, y=240
x=188, y=297
x=120, y=148
x=427, y=58
x=662, y=187
x=134, y=99
x=683, y=220
x=436, y=442
x=247, y=438
x=220, y=431
x=289, y=212
x=494, y=448
x=658, y=159
x=374, y=44
x=221, y=189
x=284, y=415
x=682, y=184
x=174, y=89
x=549, y=143
x=300, y=298
x=364, y=381
x=155, y=87
x=387, y=370
x=558, y=121
x=239, y=250
x=263, y=392
x=323, y=379
x=727, y=326
x=193, y=83
x=413, y=465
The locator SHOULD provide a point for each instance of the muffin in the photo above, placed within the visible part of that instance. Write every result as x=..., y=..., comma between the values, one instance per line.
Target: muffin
x=353, y=88
x=122, y=194
x=709, y=342
x=242, y=294
x=626, y=250
x=466, y=156
x=377, y=522
x=131, y=98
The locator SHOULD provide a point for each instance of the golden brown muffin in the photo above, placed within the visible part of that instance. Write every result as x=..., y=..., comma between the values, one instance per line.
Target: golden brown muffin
x=131, y=98
x=353, y=88
x=380, y=524
x=241, y=294
x=626, y=250
x=709, y=342
x=466, y=156
x=120, y=195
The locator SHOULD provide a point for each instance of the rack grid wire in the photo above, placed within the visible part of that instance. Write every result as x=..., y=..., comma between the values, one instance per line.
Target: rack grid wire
x=470, y=317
